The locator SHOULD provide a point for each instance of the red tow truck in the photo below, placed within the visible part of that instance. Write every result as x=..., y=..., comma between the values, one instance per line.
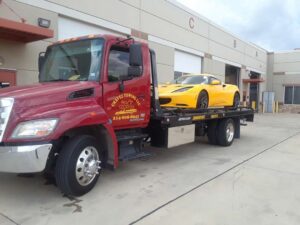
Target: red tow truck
x=95, y=105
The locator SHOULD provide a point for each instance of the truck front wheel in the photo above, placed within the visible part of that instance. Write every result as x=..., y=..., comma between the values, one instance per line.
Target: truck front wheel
x=78, y=165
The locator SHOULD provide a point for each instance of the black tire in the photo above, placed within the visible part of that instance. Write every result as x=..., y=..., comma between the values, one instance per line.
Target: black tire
x=66, y=166
x=236, y=100
x=212, y=129
x=223, y=137
x=202, y=102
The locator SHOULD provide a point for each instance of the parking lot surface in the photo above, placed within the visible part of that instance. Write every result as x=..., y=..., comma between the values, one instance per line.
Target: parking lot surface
x=255, y=181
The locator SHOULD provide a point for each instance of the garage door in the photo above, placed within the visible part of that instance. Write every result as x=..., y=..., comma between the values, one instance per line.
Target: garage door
x=186, y=63
x=68, y=28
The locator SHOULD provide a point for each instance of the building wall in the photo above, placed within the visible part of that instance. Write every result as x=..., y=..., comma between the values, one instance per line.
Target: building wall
x=164, y=60
x=284, y=69
x=165, y=24
x=24, y=57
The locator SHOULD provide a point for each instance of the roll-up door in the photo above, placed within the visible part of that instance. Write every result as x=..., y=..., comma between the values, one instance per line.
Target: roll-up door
x=186, y=63
x=69, y=28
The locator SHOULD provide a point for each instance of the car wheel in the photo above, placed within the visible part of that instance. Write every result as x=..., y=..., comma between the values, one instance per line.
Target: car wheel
x=236, y=100
x=202, y=102
x=226, y=132
x=78, y=165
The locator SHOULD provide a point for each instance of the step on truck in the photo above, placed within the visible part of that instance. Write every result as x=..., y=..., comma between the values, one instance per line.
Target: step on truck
x=95, y=105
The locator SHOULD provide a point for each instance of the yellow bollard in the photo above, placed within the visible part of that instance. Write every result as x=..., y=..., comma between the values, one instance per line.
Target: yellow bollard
x=254, y=105
x=277, y=107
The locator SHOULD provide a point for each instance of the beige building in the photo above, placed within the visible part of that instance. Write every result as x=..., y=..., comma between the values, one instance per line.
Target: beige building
x=284, y=78
x=184, y=41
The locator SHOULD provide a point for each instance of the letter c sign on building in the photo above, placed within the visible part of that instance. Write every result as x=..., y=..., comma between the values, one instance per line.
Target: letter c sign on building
x=192, y=22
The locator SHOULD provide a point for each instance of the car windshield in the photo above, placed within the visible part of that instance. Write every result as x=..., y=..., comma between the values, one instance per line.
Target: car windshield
x=75, y=61
x=191, y=80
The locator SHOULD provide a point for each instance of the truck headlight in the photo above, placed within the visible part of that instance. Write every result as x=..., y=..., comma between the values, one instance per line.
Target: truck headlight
x=35, y=128
x=6, y=105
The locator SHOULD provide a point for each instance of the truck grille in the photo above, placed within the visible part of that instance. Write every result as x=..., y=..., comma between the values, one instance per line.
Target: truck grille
x=6, y=105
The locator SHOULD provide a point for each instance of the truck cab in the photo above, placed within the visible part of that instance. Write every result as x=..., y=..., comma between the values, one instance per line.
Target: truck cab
x=90, y=88
x=121, y=82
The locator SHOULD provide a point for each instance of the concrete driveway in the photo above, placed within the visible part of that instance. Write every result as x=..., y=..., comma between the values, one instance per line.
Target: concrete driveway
x=255, y=181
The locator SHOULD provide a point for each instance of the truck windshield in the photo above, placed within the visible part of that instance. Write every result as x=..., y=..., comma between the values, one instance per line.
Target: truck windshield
x=75, y=61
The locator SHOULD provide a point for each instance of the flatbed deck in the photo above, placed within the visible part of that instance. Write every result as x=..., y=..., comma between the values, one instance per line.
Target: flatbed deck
x=171, y=117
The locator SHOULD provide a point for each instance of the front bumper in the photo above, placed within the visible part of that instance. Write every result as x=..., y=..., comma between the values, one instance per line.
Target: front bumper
x=24, y=159
x=179, y=100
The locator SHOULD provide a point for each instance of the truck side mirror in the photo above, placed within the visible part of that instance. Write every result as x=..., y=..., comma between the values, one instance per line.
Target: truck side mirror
x=41, y=60
x=135, y=60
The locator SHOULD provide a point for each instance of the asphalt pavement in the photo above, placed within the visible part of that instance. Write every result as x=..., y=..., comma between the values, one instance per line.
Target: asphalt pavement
x=255, y=181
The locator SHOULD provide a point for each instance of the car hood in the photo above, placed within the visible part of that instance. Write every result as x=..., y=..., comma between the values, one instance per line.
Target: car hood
x=44, y=93
x=168, y=88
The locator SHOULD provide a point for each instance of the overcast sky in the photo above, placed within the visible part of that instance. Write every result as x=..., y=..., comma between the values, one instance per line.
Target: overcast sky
x=271, y=24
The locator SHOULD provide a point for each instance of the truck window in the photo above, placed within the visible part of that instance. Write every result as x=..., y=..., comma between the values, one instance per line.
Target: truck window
x=118, y=63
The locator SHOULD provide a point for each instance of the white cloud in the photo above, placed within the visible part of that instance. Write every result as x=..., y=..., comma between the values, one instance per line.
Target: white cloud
x=272, y=24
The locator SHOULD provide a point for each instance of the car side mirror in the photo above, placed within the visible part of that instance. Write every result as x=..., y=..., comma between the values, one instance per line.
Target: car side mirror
x=135, y=60
x=215, y=82
x=41, y=60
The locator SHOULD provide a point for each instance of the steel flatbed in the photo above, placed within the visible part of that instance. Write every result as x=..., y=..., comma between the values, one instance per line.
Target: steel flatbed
x=170, y=125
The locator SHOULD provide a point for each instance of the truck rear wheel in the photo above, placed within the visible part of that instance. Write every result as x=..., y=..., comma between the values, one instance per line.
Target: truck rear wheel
x=226, y=132
x=78, y=165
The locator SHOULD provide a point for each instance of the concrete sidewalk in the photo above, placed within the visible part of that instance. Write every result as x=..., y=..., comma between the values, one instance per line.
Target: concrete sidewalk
x=263, y=190
x=255, y=181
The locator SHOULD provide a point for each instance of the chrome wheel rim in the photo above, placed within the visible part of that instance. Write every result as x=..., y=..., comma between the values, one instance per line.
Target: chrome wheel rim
x=87, y=166
x=230, y=132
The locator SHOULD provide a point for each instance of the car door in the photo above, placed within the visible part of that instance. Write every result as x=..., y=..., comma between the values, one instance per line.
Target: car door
x=228, y=94
x=130, y=107
x=216, y=93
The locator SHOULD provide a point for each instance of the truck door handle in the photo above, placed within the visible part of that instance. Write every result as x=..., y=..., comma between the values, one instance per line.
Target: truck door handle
x=141, y=96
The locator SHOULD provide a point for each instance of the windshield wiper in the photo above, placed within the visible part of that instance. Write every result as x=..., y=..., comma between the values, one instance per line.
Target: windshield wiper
x=55, y=80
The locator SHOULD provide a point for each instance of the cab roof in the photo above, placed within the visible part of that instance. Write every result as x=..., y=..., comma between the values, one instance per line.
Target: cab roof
x=93, y=36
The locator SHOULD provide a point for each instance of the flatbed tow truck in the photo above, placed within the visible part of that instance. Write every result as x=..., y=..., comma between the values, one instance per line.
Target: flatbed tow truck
x=97, y=104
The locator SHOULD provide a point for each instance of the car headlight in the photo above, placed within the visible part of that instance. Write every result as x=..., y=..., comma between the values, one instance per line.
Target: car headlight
x=182, y=89
x=35, y=128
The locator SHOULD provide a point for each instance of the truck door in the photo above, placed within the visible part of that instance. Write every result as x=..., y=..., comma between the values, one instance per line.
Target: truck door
x=126, y=98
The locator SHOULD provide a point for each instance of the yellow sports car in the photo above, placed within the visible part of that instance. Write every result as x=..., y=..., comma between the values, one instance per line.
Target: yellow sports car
x=198, y=92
